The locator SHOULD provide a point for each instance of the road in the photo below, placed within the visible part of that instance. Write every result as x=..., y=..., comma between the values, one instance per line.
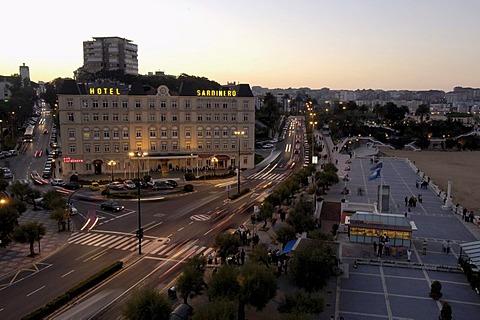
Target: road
x=175, y=228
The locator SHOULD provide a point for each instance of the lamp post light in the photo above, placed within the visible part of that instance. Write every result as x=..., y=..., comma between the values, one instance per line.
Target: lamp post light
x=239, y=134
x=112, y=163
x=139, y=154
x=214, y=162
x=313, y=123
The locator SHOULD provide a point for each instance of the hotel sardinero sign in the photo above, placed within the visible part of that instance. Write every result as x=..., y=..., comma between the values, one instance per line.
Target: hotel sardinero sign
x=104, y=91
x=216, y=93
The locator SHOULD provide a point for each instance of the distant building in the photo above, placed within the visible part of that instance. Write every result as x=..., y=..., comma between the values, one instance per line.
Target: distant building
x=25, y=75
x=104, y=121
x=110, y=54
x=5, y=93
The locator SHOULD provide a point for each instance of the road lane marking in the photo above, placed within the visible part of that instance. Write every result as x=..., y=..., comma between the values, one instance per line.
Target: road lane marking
x=33, y=292
x=181, y=229
x=66, y=274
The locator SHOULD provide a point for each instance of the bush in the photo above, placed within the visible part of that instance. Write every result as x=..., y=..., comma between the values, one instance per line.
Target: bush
x=189, y=176
x=188, y=188
x=436, y=290
x=73, y=178
x=446, y=312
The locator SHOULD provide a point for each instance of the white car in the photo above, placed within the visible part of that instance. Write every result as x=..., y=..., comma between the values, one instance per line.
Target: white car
x=129, y=184
x=57, y=182
x=267, y=146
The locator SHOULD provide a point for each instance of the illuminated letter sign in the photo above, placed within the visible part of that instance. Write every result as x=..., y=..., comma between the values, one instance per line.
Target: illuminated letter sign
x=104, y=91
x=216, y=93
x=70, y=160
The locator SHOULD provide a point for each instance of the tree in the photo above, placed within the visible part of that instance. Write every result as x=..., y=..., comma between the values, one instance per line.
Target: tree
x=60, y=214
x=8, y=221
x=29, y=233
x=224, y=285
x=301, y=217
x=312, y=266
x=297, y=302
x=266, y=212
x=190, y=283
x=226, y=244
x=20, y=189
x=147, y=303
x=218, y=310
x=422, y=111
x=260, y=254
x=53, y=200
x=284, y=234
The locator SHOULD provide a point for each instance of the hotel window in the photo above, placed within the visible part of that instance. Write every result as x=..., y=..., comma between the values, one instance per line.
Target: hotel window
x=188, y=134
x=95, y=117
x=234, y=104
x=96, y=148
x=225, y=132
x=86, y=148
x=125, y=147
x=153, y=146
x=153, y=133
x=124, y=104
x=175, y=146
x=116, y=133
x=106, y=147
x=116, y=147
x=225, y=117
x=73, y=166
x=71, y=148
x=200, y=118
x=151, y=104
x=233, y=117
x=138, y=117
x=138, y=146
x=86, y=134
x=225, y=105
x=208, y=117
x=245, y=117
x=208, y=105
x=216, y=105
x=164, y=133
x=88, y=166
x=245, y=144
x=164, y=146
x=96, y=134
x=106, y=134
x=71, y=134
x=200, y=146
x=216, y=117
x=233, y=145
x=95, y=104
x=125, y=117
x=187, y=104
x=163, y=117
x=115, y=117
x=209, y=145
x=85, y=103
x=70, y=117
x=216, y=145
x=174, y=104
x=187, y=145
x=174, y=118
x=174, y=133
x=245, y=161
x=85, y=117
x=187, y=117
x=105, y=104
x=138, y=104
x=200, y=133
x=105, y=117
x=138, y=133
x=115, y=104
x=151, y=117
x=70, y=103
x=245, y=104
x=225, y=145
x=216, y=132
x=163, y=104
x=208, y=133
x=125, y=133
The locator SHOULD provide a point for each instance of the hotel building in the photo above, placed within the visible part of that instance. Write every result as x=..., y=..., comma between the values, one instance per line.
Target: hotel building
x=100, y=123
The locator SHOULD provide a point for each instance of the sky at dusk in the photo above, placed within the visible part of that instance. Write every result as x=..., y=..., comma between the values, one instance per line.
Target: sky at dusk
x=342, y=44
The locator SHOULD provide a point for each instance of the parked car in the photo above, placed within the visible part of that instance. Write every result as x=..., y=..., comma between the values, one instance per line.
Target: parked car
x=7, y=174
x=72, y=185
x=115, y=185
x=173, y=183
x=53, y=144
x=47, y=173
x=57, y=182
x=95, y=186
x=268, y=146
x=161, y=185
x=14, y=152
x=112, y=206
x=129, y=184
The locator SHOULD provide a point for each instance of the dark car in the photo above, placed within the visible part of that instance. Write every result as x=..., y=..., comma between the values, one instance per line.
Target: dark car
x=112, y=206
x=161, y=185
x=173, y=183
x=72, y=185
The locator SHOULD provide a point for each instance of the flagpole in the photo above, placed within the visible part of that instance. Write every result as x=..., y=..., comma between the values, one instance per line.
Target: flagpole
x=381, y=193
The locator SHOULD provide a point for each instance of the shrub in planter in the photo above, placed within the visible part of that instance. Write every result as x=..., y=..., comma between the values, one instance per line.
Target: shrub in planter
x=188, y=188
x=446, y=312
x=436, y=290
x=189, y=176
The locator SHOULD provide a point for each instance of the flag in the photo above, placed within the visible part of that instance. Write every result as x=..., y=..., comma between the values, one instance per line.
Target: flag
x=375, y=174
x=379, y=165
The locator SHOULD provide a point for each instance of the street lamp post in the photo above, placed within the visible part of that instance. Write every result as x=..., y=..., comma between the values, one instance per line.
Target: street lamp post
x=313, y=123
x=239, y=134
x=214, y=162
x=138, y=154
x=112, y=163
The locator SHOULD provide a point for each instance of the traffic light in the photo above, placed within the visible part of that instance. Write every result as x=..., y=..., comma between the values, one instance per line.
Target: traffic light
x=140, y=233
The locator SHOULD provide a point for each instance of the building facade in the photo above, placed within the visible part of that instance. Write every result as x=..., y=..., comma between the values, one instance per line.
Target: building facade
x=193, y=129
x=110, y=54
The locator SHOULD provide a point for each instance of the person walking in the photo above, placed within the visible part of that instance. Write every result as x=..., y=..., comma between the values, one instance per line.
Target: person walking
x=242, y=257
x=444, y=246
x=409, y=254
x=449, y=246
x=375, y=247
x=424, y=247
x=279, y=267
x=406, y=201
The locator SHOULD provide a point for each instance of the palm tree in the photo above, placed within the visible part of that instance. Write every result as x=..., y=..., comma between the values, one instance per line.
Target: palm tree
x=29, y=233
x=422, y=110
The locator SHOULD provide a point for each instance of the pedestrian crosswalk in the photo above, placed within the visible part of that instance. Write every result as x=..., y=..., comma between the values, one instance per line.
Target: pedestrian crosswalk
x=268, y=176
x=167, y=249
x=200, y=217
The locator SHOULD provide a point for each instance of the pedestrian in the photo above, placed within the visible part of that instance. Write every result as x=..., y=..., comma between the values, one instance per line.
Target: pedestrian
x=387, y=248
x=406, y=201
x=444, y=246
x=375, y=247
x=409, y=254
x=471, y=216
x=210, y=258
x=417, y=184
x=279, y=268
x=449, y=246
x=424, y=247
x=380, y=248
x=285, y=265
x=406, y=214
x=420, y=198
x=242, y=257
